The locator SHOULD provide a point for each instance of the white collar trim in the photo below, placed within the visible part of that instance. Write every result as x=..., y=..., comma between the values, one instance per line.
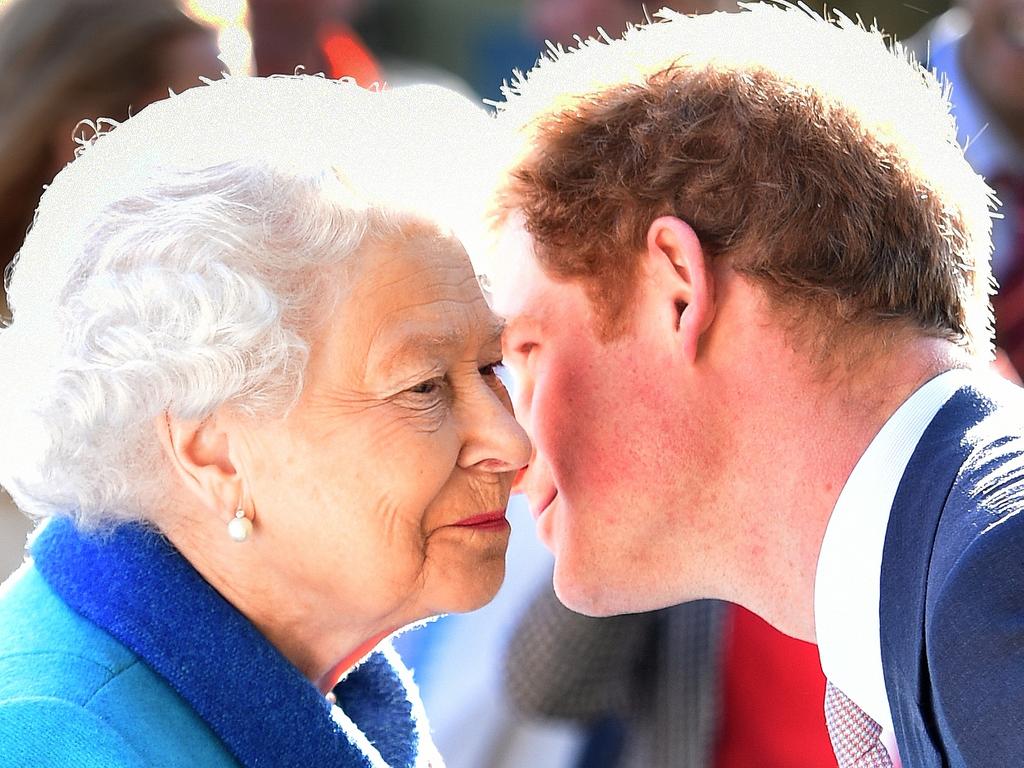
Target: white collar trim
x=846, y=587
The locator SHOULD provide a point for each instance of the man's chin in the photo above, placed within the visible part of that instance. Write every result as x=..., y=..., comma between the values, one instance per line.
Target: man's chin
x=592, y=591
x=579, y=581
x=582, y=592
x=545, y=527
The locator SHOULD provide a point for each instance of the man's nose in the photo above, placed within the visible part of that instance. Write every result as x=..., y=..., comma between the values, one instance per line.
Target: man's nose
x=535, y=475
x=517, y=484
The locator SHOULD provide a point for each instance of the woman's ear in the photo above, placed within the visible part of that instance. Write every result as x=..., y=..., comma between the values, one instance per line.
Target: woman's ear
x=684, y=280
x=199, y=451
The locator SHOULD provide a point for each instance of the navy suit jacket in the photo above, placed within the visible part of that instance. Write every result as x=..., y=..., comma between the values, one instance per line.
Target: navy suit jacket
x=952, y=587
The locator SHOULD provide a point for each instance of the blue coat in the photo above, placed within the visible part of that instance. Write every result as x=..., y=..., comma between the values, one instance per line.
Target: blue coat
x=115, y=652
x=952, y=587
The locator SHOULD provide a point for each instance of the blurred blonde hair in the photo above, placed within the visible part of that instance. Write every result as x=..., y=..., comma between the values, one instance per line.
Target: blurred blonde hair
x=66, y=60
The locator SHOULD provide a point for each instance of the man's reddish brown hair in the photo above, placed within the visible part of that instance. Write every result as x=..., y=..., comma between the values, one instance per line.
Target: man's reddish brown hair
x=834, y=213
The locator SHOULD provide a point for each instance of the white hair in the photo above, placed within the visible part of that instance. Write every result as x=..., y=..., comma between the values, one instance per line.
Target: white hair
x=181, y=262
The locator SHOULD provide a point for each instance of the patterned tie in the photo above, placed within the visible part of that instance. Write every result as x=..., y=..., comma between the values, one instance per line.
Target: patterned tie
x=1008, y=302
x=855, y=736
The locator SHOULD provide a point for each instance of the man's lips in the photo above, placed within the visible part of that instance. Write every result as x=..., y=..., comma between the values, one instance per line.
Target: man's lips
x=484, y=521
x=545, y=502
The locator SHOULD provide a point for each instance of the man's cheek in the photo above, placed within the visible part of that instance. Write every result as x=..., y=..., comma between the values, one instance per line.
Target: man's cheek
x=560, y=430
x=519, y=398
x=544, y=421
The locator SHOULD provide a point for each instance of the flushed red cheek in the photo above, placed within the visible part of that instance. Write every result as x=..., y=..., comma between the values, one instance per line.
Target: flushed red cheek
x=552, y=406
x=599, y=418
x=571, y=423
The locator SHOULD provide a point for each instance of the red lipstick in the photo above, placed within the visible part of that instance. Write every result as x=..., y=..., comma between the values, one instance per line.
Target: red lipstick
x=488, y=521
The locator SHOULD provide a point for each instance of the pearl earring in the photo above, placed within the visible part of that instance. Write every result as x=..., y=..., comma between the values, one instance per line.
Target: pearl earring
x=240, y=527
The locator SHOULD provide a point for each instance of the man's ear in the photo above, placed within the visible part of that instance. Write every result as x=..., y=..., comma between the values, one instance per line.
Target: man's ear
x=676, y=259
x=199, y=453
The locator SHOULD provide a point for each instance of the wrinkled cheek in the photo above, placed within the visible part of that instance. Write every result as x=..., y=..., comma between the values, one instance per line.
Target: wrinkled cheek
x=398, y=542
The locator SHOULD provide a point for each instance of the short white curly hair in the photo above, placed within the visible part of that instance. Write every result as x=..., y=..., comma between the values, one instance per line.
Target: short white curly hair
x=181, y=262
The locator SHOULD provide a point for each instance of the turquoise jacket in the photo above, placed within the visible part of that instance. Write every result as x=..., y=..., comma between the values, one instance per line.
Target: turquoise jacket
x=114, y=652
x=72, y=695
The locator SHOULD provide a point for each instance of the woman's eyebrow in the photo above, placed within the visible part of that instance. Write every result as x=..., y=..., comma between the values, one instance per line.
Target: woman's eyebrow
x=418, y=345
x=497, y=330
x=432, y=340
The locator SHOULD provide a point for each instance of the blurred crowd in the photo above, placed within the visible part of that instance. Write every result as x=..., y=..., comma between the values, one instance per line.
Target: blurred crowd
x=523, y=681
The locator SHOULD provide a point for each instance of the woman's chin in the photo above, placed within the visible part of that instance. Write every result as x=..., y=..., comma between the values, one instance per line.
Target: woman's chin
x=475, y=589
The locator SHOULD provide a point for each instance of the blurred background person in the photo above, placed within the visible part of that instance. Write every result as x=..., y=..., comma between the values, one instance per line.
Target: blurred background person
x=61, y=62
x=978, y=45
x=561, y=21
x=316, y=35
x=321, y=36
x=64, y=61
x=482, y=42
x=704, y=684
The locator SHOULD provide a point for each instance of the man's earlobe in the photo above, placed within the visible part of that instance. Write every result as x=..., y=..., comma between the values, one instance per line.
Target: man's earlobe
x=680, y=308
x=684, y=278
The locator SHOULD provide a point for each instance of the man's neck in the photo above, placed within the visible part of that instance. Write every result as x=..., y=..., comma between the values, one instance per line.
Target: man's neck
x=805, y=442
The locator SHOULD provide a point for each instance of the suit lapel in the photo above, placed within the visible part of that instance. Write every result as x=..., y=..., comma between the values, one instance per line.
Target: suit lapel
x=906, y=559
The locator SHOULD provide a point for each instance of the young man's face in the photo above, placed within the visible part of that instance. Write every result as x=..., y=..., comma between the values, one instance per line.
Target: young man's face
x=604, y=481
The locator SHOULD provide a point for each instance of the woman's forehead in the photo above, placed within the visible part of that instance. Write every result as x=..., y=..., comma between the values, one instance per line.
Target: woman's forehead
x=406, y=273
x=413, y=298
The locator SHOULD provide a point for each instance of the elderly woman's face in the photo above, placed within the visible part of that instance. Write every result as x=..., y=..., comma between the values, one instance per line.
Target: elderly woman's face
x=386, y=486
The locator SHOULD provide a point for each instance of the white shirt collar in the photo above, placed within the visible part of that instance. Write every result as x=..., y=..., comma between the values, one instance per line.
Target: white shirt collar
x=846, y=587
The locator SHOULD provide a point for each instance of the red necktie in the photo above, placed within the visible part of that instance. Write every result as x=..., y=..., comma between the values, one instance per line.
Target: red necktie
x=1008, y=302
x=855, y=736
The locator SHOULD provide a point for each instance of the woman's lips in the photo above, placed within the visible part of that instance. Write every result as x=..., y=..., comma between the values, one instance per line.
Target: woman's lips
x=486, y=521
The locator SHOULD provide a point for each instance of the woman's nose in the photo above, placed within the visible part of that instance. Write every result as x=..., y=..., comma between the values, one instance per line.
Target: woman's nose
x=494, y=440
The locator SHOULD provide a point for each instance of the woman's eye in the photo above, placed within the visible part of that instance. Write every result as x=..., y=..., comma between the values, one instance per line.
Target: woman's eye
x=428, y=387
x=493, y=370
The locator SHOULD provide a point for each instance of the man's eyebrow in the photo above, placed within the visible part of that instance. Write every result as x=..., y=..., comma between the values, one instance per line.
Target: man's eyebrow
x=529, y=319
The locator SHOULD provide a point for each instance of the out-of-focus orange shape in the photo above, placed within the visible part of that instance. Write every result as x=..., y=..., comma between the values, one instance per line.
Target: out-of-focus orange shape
x=347, y=55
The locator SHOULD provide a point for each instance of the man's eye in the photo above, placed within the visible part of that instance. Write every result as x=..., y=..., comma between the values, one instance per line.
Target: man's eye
x=525, y=348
